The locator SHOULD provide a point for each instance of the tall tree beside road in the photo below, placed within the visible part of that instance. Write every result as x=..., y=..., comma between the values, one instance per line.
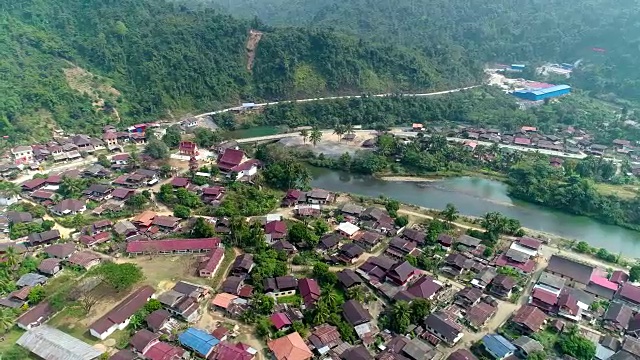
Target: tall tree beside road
x=449, y=214
x=315, y=136
x=305, y=135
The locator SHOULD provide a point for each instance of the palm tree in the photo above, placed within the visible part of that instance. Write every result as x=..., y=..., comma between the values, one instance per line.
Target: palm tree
x=6, y=320
x=400, y=316
x=339, y=130
x=449, y=214
x=321, y=313
x=11, y=257
x=356, y=293
x=348, y=129
x=315, y=136
x=305, y=134
x=10, y=188
x=331, y=298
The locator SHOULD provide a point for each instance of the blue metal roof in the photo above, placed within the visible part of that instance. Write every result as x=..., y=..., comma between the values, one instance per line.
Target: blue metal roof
x=498, y=345
x=198, y=340
x=551, y=89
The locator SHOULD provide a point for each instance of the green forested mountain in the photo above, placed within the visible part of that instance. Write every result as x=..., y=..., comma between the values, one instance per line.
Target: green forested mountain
x=161, y=57
x=501, y=30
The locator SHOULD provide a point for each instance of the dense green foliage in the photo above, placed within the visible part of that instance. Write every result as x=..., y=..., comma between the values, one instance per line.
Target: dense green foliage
x=567, y=190
x=160, y=57
x=461, y=34
x=485, y=106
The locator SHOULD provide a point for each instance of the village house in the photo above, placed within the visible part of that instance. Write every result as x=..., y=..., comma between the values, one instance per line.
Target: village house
x=242, y=265
x=576, y=274
x=348, y=230
x=444, y=328
x=275, y=230
x=348, y=278
x=47, y=342
x=98, y=192
x=617, y=317
x=60, y=251
x=630, y=295
x=22, y=155
x=280, y=286
x=180, y=304
x=350, y=253
x=46, y=237
x=320, y=197
x=309, y=291
x=293, y=197
x=188, y=148
x=84, y=259
x=213, y=194
x=424, y=288
x=166, y=223
x=33, y=184
x=209, y=267
x=329, y=242
x=290, y=347
x=468, y=297
x=529, y=319
x=120, y=160
x=118, y=317
x=35, y=316
x=375, y=268
x=50, y=266
x=498, y=346
x=8, y=199
x=368, y=240
x=199, y=341
x=402, y=273
x=399, y=248
x=324, y=337
x=502, y=286
x=69, y=207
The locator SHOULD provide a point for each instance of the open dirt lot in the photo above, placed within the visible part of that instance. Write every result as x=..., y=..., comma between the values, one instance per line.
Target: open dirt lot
x=162, y=272
x=330, y=144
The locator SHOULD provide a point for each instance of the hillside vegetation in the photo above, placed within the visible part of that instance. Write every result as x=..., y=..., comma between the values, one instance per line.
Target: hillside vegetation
x=503, y=30
x=152, y=59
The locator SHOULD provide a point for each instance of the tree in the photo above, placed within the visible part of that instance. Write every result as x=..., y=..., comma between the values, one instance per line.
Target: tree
x=576, y=345
x=181, y=212
x=339, y=130
x=102, y=160
x=300, y=233
x=538, y=355
x=152, y=305
x=36, y=295
x=11, y=257
x=202, y=229
x=583, y=247
x=634, y=273
x=157, y=149
x=137, y=201
x=315, y=136
x=449, y=214
x=392, y=206
x=88, y=301
x=324, y=276
x=300, y=328
x=305, y=134
x=320, y=227
x=420, y=308
x=205, y=137
x=262, y=303
x=400, y=317
x=402, y=221
x=120, y=276
x=6, y=320
x=172, y=137
x=357, y=293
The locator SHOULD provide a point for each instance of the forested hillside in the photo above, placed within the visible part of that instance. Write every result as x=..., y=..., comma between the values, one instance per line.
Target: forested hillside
x=162, y=57
x=501, y=30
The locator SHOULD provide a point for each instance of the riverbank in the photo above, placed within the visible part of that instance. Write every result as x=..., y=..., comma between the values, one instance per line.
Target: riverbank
x=553, y=243
x=474, y=197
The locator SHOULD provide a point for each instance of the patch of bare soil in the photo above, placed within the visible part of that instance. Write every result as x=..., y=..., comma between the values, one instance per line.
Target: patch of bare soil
x=252, y=45
x=85, y=82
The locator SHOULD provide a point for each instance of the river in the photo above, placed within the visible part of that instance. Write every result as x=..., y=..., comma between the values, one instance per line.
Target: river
x=477, y=196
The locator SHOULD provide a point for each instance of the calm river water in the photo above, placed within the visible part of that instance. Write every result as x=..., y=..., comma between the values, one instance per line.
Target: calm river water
x=477, y=196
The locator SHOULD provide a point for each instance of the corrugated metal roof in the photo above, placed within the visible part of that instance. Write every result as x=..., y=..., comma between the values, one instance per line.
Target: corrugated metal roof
x=198, y=340
x=52, y=344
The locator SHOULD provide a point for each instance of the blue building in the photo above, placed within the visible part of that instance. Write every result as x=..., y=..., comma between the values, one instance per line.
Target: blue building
x=517, y=67
x=498, y=346
x=541, y=94
x=199, y=341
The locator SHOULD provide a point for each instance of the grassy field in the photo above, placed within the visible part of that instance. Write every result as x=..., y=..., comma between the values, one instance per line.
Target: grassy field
x=623, y=191
x=162, y=272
